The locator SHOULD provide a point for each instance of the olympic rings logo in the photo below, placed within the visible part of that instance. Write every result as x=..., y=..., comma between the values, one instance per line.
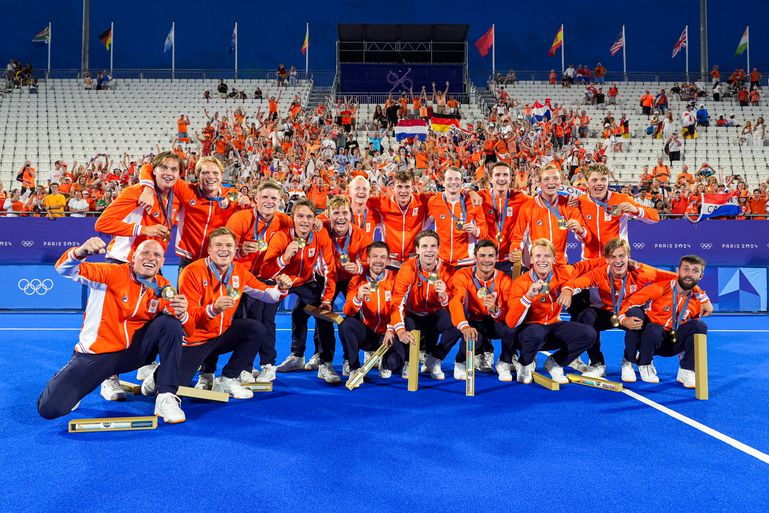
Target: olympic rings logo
x=571, y=245
x=27, y=243
x=639, y=245
x=706, y=245
x=35, y=286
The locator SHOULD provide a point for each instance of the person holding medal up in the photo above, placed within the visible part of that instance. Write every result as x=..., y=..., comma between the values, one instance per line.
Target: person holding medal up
x=213, y=286
x=253, y=228
x=609, y=286
x=367, y=314
x=533, y=309
x=478, y=295
x=673, y=310
x=501, y=207
x=349, y=243
x=548, y=216
x=133, y=314
x=419, y=301
x=298, y=253
x=458, y=222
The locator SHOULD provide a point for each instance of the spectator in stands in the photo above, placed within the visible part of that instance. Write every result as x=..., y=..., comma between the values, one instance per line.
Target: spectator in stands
x=510, y=78
x=673, y=149
x=282, y=75
x=718, y=90
x=688, y=122
x=87, y=81
x=746, y=135
x=223, y=89
x=685, y=178
x=54, y=203
x=292, y=76
x=645, y=179
x=27, y=176
x=77, y=206
x=600, y=99
x=755, y=79
x=715, y=74
x=742, y=97
x=600, y=73
x=33, y=87
x=207, y=95
x=758, y=205
x=661, y=102
x=258, y=93
x=703, y=116
x=755, y=96
x=104, y=201
x=551, y=77
x=613, y=93
x=15, y=204
x=646, y=102
x=705, y=171
x=759, y=132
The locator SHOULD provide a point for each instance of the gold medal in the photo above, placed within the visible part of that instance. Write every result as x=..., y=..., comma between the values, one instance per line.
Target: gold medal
x=344, y=259
x=483, y=292
x=614, y=211
x=168, y=292
x=373, y=285
x=433, y=278
x=499, y=238
x=614, y=321
x=261, y=245
x=673, y=337
x=545, y=289
x=460, y=225
x=233, y=292
x=300, y=242
x=233, y=196
x=562, y=224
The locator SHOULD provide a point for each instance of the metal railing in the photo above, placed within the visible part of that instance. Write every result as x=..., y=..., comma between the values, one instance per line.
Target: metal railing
x=650, y=77
x=380, y=98
x=319, y=77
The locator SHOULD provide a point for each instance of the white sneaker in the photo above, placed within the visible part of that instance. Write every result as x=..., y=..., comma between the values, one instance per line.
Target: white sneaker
x=385, y=373
x=367, y=355
x=525, y=373
x=579, y=366
x=687, y=378
x=434, y=366
x=111, y=389
x=346, y=369
x=327, y=373
x=233, y=387
x=503, y=371
x=405, y=371
x=246, y=377
x=77, y=404
x=460, y=371
x=267, y=374
x=168, y=406
x=595, y=371
x=648, y=373
x=145, y=371
x=313, y=363
x=628, y=374
x=205, y=381
x=422, y=364
x=487, y=363
x=291, y=363
x=148, y=385
x=514, y=363
x=556, y=371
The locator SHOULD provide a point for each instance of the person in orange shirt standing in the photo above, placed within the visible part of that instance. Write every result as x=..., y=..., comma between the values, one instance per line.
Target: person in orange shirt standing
x=128, y=320
x=458, y=222
x=757, y=204
x=419, y=301
x=182, y=135
x=27, y=177
x=318, y=192
x=672, y=320
x=533, y=309
x=647, y=100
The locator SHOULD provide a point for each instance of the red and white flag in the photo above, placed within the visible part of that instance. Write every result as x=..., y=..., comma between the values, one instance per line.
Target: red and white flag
x=617, y=46
x=682, y=42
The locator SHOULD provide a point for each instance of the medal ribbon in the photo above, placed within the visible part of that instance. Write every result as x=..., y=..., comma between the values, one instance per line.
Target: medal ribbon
x=554, y=211
x=616, y=302
x=346, y=242
x=463, y=219
x=501, y=217
x=222, y=280
x=166, y=209
x=257, y=234
x=419, y=272
x=150, y=284
x=478, y=284
x=678, y=316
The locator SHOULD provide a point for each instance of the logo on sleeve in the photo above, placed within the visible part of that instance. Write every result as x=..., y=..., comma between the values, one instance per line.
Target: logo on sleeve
x=633, y=288
x=539, y=223
x=509, y=211
x=388, y=295
x=311, y=252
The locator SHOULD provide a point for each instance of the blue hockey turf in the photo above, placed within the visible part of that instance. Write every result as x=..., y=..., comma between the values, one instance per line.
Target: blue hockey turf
x=308, y=446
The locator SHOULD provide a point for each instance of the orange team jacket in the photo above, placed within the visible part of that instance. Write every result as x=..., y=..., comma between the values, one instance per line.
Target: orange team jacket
x=242, y=224
x=201, y=287
x=368, y=221
x=543, y=309
x=536, y=221
x=356, y=249
x=597, y=280
x=375, y=310
x=413, y=293
x=457, y=246
x=465, y=305
x=318, y=196
x=118, y=305
x=199, y=216
x=401, y=226
x=657, y=301
x=498, y=210
x=300, y=268
x=602, y=226
x=123, y=219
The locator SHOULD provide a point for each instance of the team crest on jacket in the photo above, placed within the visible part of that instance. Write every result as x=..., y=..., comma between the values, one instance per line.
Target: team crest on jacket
x=667, y=308
x=153, y=306
x=156, y=214
x=539, y=223
x=415, y=212
x=205, y=283
x=443, y=217
x=633, y=288
x=125, y=298
x=388, y=295
x=193, y=202
x=589, y=217
x=236, y=281
x=311, y=252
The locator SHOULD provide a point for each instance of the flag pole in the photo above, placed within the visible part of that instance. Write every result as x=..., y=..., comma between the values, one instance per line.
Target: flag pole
x=687, y=53
x=49, y=49
x=173, y=50
x=112, y=43
x=236, y=49
x=747, y=31
x=624, y=55
x=307, y=51
x=563, y=48
x=493, y=52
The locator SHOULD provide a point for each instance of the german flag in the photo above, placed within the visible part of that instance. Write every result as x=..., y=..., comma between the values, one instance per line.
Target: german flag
x=106, y=38
x=443, y=122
